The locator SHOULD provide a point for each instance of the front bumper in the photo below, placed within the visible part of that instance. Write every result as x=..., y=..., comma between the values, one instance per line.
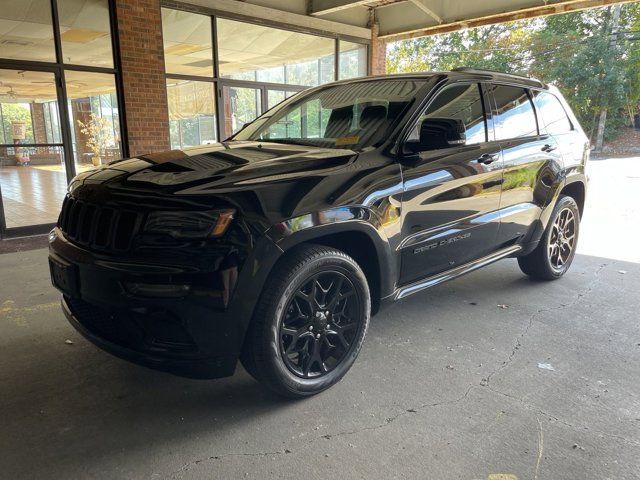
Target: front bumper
x=203, y=368
x=197, y=335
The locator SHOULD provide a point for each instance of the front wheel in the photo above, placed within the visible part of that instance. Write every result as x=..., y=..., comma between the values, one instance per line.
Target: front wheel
x=553, y=256
x=309, y=323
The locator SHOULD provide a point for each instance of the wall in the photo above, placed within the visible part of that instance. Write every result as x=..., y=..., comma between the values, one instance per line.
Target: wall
x=377, y=53
x=142, y=66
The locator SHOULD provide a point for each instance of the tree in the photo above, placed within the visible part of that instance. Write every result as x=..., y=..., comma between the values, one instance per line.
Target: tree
x=15, y=112
x=574, y=51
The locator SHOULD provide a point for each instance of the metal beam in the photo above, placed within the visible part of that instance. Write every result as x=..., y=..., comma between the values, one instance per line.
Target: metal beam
x=412, y=31
x=270, y=16
x=420, y=4
x=324, y=7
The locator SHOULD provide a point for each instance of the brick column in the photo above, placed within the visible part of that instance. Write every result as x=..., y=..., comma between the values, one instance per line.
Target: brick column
x=377, y=53
x=142, y=64
x=37, y=122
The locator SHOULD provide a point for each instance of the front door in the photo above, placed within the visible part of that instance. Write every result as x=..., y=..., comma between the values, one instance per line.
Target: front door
x=451, y=188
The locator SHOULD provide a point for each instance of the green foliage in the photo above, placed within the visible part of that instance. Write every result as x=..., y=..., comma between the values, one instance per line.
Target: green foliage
x=15, y=112
x=573, y=51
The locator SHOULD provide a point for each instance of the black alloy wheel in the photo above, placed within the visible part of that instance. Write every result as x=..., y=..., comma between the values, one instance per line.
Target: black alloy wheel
x=310, y=322
x=556, y=249
x=562, y=239
x=320, y=324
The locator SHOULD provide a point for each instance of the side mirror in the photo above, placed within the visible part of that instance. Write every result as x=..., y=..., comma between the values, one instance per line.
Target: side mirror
x=438, y=133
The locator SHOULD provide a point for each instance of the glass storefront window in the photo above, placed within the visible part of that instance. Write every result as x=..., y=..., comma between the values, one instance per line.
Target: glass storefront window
x=291, y=125
x=35, y=134
x=255, y=52
x=94, y=114
x=26, y=31
x=187, y=43
x=241, y=106
x=274, y=97
x=85, y=33
x=32, y=173
x=192, y=113
x=28, y=108
x=353, y=60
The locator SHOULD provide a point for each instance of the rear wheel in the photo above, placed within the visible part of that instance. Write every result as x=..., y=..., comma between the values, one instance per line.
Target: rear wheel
x=310, y=322
x=553, y=256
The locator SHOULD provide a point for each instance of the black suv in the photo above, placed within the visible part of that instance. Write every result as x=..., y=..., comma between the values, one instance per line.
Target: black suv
x=275, y=246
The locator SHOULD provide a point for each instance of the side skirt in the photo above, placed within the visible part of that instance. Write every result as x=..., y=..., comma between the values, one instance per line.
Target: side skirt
x=410, y=289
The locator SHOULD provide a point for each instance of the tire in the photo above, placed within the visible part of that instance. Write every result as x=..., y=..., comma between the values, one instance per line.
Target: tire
x=310, y=322
x=553, y=256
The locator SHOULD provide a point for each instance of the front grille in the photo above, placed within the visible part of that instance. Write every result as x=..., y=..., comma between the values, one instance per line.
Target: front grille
x=98, y=227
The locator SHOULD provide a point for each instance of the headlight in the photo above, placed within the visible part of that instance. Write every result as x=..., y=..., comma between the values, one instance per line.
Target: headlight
x=189, y=225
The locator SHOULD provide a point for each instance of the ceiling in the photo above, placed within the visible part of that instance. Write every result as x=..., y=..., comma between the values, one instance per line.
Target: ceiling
x=398, y=19
x=26, y=31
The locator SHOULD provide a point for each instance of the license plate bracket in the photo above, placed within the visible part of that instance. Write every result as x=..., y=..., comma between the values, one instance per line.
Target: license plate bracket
x=64, y=276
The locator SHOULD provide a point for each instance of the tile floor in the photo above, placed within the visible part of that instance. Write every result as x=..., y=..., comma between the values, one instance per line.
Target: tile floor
x=31, y=195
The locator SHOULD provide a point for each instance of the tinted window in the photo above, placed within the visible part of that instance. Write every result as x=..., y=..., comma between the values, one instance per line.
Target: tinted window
x=458, y=103
x=515, y=115
x=350, y=115
x=553, y=114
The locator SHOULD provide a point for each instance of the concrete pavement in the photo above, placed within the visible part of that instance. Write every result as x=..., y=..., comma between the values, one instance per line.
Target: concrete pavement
x=448, y=385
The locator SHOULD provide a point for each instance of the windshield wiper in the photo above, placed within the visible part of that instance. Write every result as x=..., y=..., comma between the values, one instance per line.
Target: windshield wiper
x=291, y=141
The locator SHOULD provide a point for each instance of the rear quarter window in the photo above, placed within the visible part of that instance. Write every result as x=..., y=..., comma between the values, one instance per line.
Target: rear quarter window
x=554, y=116
x=515, y=115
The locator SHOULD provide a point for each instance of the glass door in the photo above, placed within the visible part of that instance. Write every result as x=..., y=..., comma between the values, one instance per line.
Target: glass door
x=94, y=117
x=290, y=126
x=33, y=177
x=241, y=105
x=243, y=101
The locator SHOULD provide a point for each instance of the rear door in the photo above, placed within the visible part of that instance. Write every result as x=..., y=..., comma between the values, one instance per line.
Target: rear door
x=531, y=161
x=451, y=191
x=554, y=121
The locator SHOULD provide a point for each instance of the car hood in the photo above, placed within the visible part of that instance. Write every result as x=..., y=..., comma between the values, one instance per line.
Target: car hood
x=218, y=168
x=265, y=181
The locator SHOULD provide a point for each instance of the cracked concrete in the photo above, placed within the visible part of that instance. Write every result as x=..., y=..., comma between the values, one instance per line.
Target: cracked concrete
x=532, y=318
x=447, y=387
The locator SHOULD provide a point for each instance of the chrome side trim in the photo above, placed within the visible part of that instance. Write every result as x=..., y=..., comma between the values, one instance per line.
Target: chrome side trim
x=415, y=287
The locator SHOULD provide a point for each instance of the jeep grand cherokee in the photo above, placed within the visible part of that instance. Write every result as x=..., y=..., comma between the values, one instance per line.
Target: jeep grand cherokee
x=275, y=246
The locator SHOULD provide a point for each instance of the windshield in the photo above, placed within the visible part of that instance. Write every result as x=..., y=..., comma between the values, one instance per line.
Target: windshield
x=353, y=115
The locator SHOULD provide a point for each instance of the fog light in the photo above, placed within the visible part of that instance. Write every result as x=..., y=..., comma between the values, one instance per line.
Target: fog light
x=157, y=290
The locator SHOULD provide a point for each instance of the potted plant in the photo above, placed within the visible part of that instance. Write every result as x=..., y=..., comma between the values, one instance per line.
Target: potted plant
x=98, y=134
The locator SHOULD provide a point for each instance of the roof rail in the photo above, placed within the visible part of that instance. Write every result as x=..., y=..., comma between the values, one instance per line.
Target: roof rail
x=495, y=72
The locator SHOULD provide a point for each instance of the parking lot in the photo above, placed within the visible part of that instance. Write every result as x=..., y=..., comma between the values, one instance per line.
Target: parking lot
x=490, y=374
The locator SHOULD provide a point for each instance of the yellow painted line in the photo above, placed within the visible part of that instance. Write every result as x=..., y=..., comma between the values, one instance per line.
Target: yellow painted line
x=17, y=315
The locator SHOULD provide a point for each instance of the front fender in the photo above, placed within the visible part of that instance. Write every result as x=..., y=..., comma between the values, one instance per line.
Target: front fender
x=314, y=227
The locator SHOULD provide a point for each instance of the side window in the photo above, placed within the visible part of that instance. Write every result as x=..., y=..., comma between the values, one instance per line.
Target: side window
x=553, y=114
x=454, y=117
x=515, y=114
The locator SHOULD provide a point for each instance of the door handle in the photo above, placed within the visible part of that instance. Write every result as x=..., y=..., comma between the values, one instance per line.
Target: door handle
x=549, y=148
x=487, y=158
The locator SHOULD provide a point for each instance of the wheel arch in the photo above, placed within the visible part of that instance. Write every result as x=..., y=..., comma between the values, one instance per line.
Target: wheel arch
x=361, y=238
x=361, y=248
x=574, y=186
x=576, y=190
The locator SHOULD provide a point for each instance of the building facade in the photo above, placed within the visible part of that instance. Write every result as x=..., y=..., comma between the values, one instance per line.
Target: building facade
x=84, y=82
